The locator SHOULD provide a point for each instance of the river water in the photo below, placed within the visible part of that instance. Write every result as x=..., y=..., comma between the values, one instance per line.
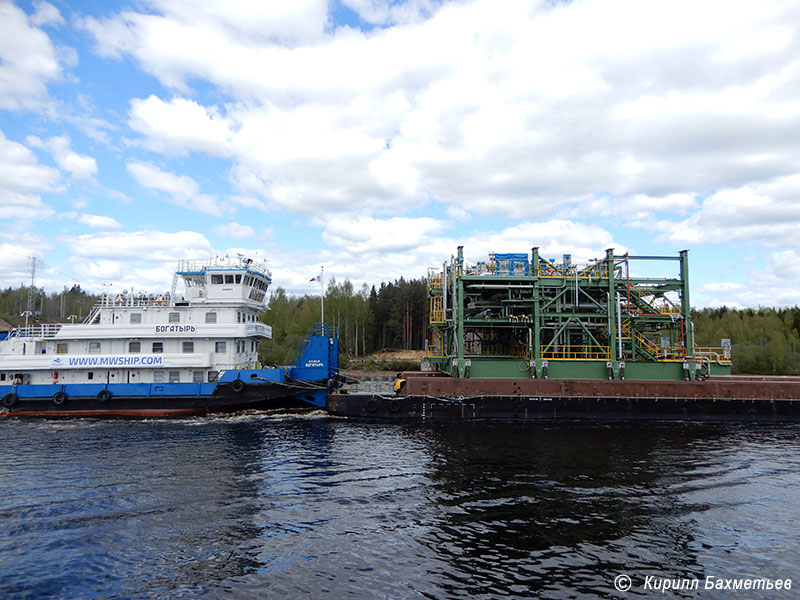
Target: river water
x=286, y=506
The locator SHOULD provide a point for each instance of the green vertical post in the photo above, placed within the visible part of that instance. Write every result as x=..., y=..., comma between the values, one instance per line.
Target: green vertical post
x=460, y=304
x=686, y=308
x=612, y=312
x=537, y=314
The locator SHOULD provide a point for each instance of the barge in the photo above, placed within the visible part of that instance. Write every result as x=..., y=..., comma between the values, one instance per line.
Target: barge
x=171, y=354
x=524, y=337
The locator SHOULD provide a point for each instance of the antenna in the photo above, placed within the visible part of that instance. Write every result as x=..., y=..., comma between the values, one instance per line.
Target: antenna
x=33, y=283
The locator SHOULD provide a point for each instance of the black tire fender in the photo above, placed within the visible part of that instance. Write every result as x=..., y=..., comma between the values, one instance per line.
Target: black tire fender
x=59, y=398
x=104, y=396
x=372, y=405
x=238, y=386
x=394, y=406
x=9, y=400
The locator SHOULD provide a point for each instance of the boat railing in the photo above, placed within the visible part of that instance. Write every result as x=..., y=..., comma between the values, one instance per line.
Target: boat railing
x=220, y=368
x=46, y=330
x=134, y=300
x=139, y=300
x=222, y=262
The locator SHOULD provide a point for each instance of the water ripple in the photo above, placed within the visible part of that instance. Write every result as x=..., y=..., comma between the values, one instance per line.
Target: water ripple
x=281, y=505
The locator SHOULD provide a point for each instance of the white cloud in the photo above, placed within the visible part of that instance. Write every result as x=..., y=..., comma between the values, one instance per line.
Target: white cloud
x=385, y=12
x=178, y=38
x=16, y=251
x=150, y=245
x=28, y=59
x=234, y=230
x=99, y=221
x=83, y=168
x=370, y=250
x=46, y=14
x=96, y=273
x=771, y=280
x=180, y=125
x=182, y=189
x=374, y=235
x=483, y=106
x=22, y=179
x=764, y=212
x=635, y=211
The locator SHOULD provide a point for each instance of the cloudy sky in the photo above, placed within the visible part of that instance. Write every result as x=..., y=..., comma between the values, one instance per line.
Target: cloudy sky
x=375, y=136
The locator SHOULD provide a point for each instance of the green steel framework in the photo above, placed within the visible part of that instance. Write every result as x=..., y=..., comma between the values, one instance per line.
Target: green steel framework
x=516, y=316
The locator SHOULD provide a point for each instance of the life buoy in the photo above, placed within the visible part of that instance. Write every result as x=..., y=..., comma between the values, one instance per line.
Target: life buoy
x=159, y=299
x=103, y=396
x=238, y=386
x=9, y=400
x=120, y=298
x=59, y=398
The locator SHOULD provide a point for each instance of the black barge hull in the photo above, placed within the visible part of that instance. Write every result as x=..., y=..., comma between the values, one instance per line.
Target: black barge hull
x=436, y=397
x=373, y=406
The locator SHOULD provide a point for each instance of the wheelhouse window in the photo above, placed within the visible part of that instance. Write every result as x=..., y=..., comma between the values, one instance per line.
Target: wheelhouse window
x=228, y=278
x=211, y=317
x=197, y=376
x=220, y=347
x=158, y=347
x=94, y=347
x=238, y=279
x=136, y=317
x=174, y=376
x=216, y=279
x=188, y=347
x=174, y=317
x=134, y=347
x=158, y=376
x=62, y=348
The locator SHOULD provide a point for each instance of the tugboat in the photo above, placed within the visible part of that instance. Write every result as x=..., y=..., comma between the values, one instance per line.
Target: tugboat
x=159, y=355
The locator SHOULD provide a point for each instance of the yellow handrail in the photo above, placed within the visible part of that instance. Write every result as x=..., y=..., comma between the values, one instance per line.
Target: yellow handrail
x=647, y=344
x=721, y=355
x=576, y=352
x=435, y=345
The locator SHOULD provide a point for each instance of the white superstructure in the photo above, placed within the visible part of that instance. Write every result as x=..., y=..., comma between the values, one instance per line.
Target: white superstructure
x=152, y=338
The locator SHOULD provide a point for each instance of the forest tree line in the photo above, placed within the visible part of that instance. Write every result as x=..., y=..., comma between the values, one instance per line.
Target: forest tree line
x=391, y=316
x=70, y=304
x=394, y=316
x=765, y=341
